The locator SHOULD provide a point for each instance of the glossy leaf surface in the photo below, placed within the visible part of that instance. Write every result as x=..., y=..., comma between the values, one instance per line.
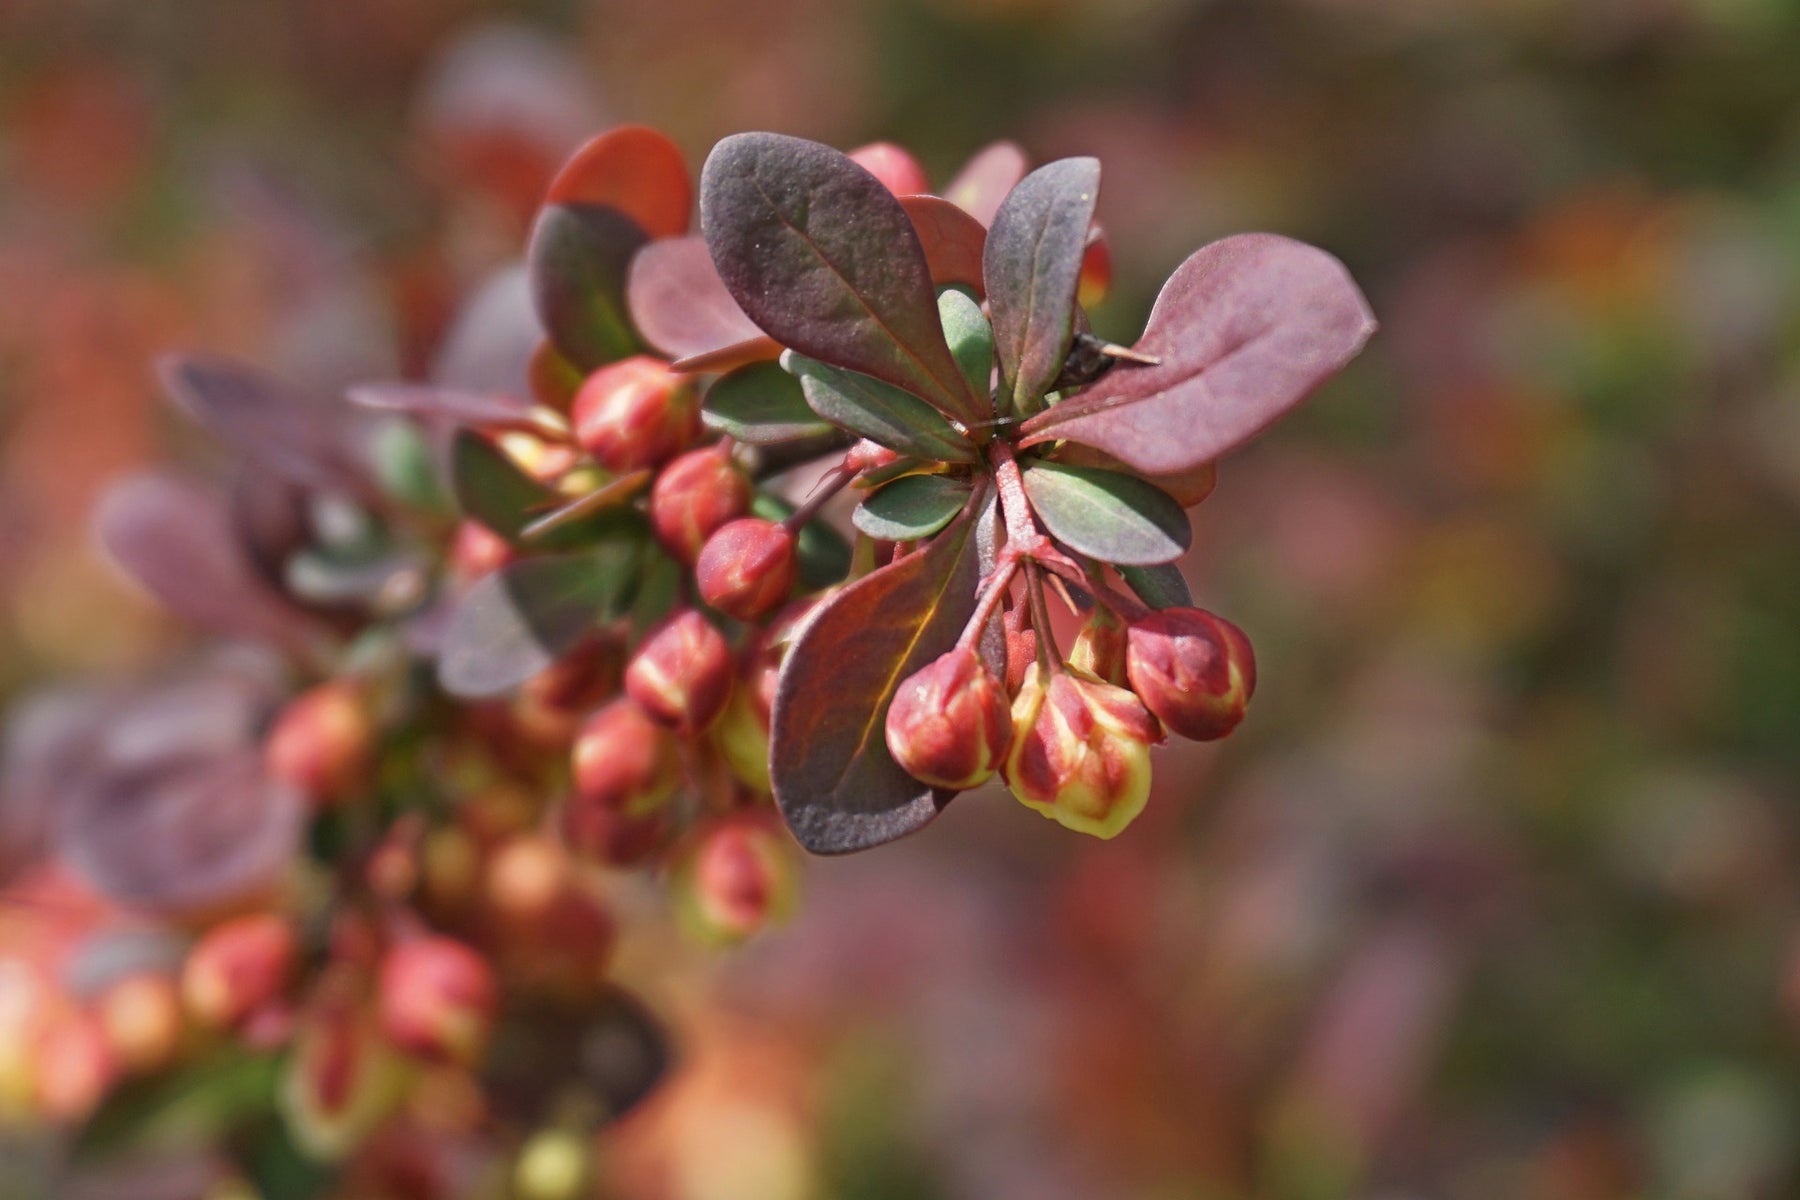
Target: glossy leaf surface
x=1107, y=515
x=762, y=404
x=634, y=169
x=825, y=260
x=911, y=507
x=578, y=258
x=679, y=303
x=1246, y=328
x=1033, y=268
x=833, y=777
x=878, y=411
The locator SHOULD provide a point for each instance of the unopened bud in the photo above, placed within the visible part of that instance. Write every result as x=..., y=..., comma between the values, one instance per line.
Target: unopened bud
x=342, y=1079
x=747, y=568
x=322, y=744
x=1099, y=648
x=635, y=413
x=1194, y=670
x=1081, y=751
x=437, y=999
x=738, y=877
x=1096, y=271
x=555, y=1164
x=238, y=967
x=605, y=835
x=141, y=1017
x=476, y=551
x=898, y=171
x=525, y=877
x=948, y=725
x=681, y=675
x=694, y=496
x=73, y=1066
x=624, y=761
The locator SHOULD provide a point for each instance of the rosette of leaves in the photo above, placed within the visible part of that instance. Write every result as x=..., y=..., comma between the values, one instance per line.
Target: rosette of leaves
x=1024, y=450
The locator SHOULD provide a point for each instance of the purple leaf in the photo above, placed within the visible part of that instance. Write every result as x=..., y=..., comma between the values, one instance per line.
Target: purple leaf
x=578, y=258
x=487, y=409
x=1032, y=265
x=826, y=261
x=680, y=304
x=985, y=180
x=1246, y=328
x=278, y=428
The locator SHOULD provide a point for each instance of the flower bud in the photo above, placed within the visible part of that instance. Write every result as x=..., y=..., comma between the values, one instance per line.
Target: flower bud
x=694, y=496
x=476, y=551
x=555, y=1164
x=1099, y=648
x=635, y=413
x=1194, y=670
x=141, y=1017
x=948, y=725
x=525, y=877
x=898, y=171
x=681, y=675
x=1096, y=271
x=606, y=835
x=741, y=734
x=73, y=1066
x=323, y=743
x=1081, y=751
x=437, y=999
x=737, y=877
x=747, y=568
x=624, y=761
x=238, y=967
x=342, y=1079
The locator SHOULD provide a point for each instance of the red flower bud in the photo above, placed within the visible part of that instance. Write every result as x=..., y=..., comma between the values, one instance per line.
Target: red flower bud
x=1100, y=647
x=606, y=835
x=73, y=1066
x=1096, y=271
x=747, y=568
x=624, y=761
x=681, y=675
x=437, y=999
x=342, y=1078
x=141, y=1017
x=898, y=171
x=1081, y=751
x=477, y=550
x=237, y=968
x=323, y=742
x=1194, y=670
x=635, y=413
x=694, y=496
x=948, y=725
x=737, y=877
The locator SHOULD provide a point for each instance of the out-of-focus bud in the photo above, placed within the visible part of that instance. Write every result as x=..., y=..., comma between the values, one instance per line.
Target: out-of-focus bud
x=323, y=743
x=1100, y=647
x=605, y=835
x=1096, y=270
x=624, y=761
x=1194, y=670
x=525, y=877
x=437, y=999
x=566, y=953
x=737, y=877
x=74, y=1065
x=238, y=967
x=580, y=679
x=898, y=171
x=747, y=568
x=141, y=1017
x=694, y=496
x=1081, y=751
x=544, y=459
x=948, y=725
x=681, y=675
x=449, y=868
x=555, y=1164
x=342, y=1079
x=635, y=413
x=477, y=550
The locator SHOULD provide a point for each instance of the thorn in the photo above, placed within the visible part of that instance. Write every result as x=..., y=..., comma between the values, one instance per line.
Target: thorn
x=1127, y=354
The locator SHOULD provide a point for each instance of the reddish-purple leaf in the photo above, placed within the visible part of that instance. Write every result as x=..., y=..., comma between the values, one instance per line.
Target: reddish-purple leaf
x=952, y=240
x=825, y=260
x=832, y=775
x=985, y=180
x=1246, y=328
x=578, y=258
x=680, y=304
x=634, y=169
x=729, y=358
x=488, y=409
x=280, y=429
x=491, y=341
x=1032, y=264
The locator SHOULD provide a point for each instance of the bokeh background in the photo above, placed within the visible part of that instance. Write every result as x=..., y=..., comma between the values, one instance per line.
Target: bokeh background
x=1497, y=892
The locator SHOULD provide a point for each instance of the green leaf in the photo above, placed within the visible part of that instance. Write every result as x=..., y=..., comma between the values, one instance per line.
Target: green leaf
x=1033, y=268
x=970, y=336
x=912, y=507
x=760, y=404
x=1160, y=586
x=879, y=411
x=196, y=1104
x=1107, y=515
x=832, y=775
x=578, y=259
x=491, y=489
x=521, y=618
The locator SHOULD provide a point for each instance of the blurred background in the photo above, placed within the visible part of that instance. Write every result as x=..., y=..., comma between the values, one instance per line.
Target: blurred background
x=1497, y=894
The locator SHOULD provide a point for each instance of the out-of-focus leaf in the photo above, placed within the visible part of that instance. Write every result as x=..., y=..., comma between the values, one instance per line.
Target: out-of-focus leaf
x=492, y=489
x=825, y=260
x=198, y=1103
x=488, y=409
x=679, y=303
x=1107, y=515
x=833, y=777
x=492, y=339
x=729, y=358
x=578, y=258
x=1159, y=586
x=1033, y=267
x=971, y=338
x=823, y=553
x=879, y=411
x=613, y=1047
x=284, y=431
x=514, y=622
x=540, y=529
x=761, y=404
x=1246, y=328
x=634, y=169
x=951, y=238
x=983, y=183
x=912, y=507
x=393, y=580
x=406, y=466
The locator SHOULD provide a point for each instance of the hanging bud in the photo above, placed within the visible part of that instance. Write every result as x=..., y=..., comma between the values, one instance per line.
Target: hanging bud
x=747, y=568
x=635, y=413
x=948, y=725
x=1100, y=647
x=323, y=743
x=694, y=496
x=1081, y=751
x=1194, y=670
x=624, y=761
x=736, y=878
x=681, y=675
x=342, y=1079
x=237, y=968
x=898, y=171
x=437, y=999
x=141, y=1017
